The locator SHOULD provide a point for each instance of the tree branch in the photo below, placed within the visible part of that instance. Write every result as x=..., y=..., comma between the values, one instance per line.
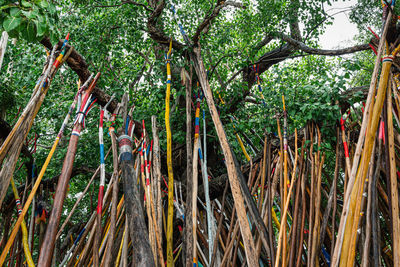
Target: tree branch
x=208, y=19
x=325, y=52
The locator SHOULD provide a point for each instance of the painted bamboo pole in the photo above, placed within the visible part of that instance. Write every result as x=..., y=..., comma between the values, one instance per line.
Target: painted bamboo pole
x=27, y=251
x=101, y=187
x=345, y=146
x=46, y=251
x=146, y=179
x=246, y=155
x=195, y=179
x=256, y=69
x=39, y=178
x=170, y=222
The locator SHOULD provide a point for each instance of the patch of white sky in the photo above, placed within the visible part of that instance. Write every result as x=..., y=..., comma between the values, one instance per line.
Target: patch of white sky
x=342, y=31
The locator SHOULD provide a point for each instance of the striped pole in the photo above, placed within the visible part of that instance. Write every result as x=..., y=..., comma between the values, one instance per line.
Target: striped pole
x=102, y=164
x=101, y=188
x=195, y=178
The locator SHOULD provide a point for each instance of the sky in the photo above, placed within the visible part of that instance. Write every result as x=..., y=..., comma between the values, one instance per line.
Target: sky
x=335, y=36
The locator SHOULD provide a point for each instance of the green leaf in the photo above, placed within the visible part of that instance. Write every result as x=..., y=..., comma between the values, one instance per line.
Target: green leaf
x=41, y=28
x=29, y=32
x=11, y=23
x=15, y=12
x=28, y=14
x=26, y=4
x=43, y=4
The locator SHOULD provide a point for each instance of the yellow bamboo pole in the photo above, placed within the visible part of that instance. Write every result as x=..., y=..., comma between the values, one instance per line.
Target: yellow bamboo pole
x=170, y=256
x=27, y=251
x=240, y=142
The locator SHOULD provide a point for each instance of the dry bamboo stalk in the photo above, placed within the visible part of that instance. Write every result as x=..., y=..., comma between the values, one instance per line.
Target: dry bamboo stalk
x=157, y=175
x=366, y=247
x=293, y=238
x=393, y=183
x=316, y=233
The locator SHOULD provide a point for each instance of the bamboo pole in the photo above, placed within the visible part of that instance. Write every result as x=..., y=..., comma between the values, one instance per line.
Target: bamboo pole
x=195, y=173
x=393, y=183
x=188, y=245
x=374, y=202
x=170, y=256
